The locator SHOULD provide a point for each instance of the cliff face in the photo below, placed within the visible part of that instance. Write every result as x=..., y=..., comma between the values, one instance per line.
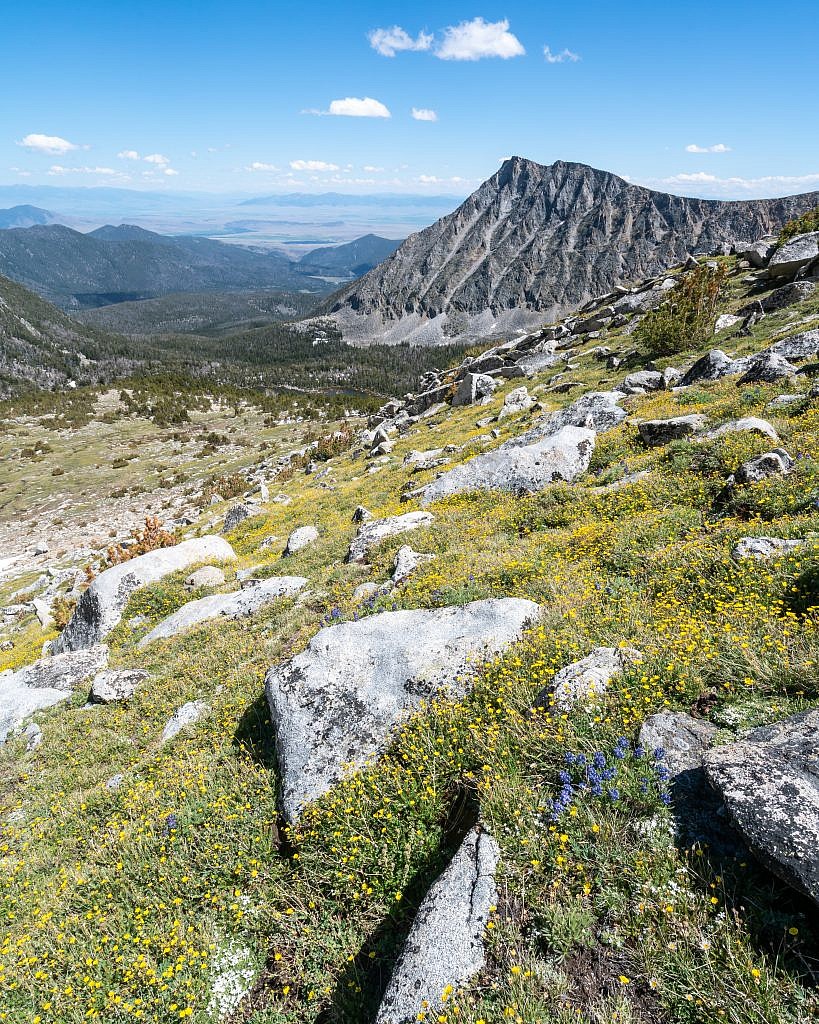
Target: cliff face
x=535, y=241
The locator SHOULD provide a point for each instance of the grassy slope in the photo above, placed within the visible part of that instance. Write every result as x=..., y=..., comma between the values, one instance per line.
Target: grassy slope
x=120, y=906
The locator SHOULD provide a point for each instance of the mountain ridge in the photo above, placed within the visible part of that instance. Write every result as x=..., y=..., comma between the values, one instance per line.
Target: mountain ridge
x=533, y=242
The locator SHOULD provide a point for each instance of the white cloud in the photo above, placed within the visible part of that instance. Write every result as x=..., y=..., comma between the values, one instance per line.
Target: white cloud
x=353, y=107
x=51, y=144
x=171, y=173
x=718, y=148
x=372, y=169
x=258, y=165
x=756, y=188
x=424, y=114
x=560, y=58
x=473, y=40
x=56, y=169
x=128, y=154
x=158, y=159
x=389, y=41
x=313, y=165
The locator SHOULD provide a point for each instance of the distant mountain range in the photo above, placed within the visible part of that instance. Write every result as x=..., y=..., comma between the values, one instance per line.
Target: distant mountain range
x=123, y=263
x=115, y=264
x=350, y=260
x=534, y=242
x=26, y=216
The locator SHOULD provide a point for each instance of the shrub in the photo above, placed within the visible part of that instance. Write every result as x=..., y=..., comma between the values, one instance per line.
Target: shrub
x=800, y=225
x=62, y=608
x=149, y=538
x=686, y=318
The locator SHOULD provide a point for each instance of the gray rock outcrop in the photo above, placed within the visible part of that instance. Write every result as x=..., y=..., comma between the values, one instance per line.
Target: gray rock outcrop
x=519, y=469
x=769, y=783
x=473, y=387
x=406, y=562
x=235, y=515
x=238, y=605
x=765, y=547
x=375, y=531
x=766, y=368
x=657, y=432
x=798, y=346
x=335, y=704
x=100, y=607
x=749, y=424
x=113, y=685
x=45, y=683
x=188, y=714
x=794, y=254
x=586, y=680
x=775, y=463
x=300, y=538
x=445, y=946
x=207, y=576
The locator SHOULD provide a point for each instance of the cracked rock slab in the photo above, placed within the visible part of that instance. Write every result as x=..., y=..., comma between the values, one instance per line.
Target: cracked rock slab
x=446, y=944
x=376, y=530
x=100, y=607
x=335, y=705
x=519, y=469
x=238, y=605
x=770, y=785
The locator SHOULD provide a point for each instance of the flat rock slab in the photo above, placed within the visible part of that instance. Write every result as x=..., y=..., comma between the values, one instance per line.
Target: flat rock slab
x=770, y=785
x=237, y=605
x=100, y=607
x=598, y=411
x=519, y=469
x=335, y=705
x=376, y=530
x=47, y=682
x=794, y=254
x=657, y=432
x=765, y=547
x=445, y=946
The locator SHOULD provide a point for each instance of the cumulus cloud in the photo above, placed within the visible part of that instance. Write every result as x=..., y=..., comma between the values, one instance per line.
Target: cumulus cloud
x=560, y=58
x=171, y=173
x=424, y=114
x=259, y=165
x=128, y=154
x=51, y=144
x=476, y=39
x=158, y=159
x=313, y=165
x=389, y=41
x=720, y=147
x=354, y=107
x=371, y=169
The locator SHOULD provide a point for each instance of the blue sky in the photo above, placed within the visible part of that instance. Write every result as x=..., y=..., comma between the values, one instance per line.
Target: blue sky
x=256, y=96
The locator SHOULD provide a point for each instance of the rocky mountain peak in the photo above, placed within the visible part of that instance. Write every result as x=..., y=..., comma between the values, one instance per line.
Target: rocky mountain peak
x=535, y=241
